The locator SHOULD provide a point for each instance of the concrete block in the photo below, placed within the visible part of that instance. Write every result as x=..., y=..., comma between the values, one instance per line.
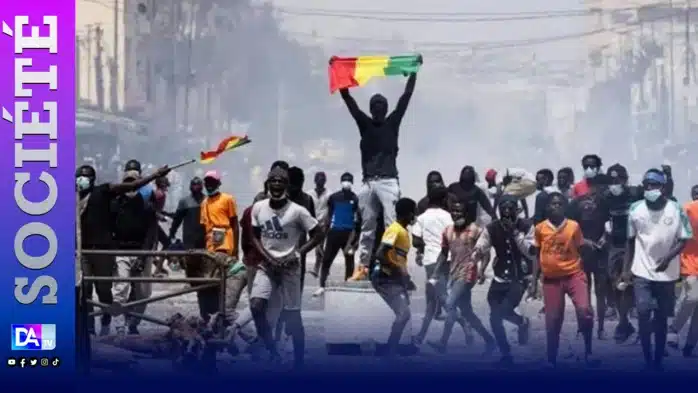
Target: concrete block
x=357, y=320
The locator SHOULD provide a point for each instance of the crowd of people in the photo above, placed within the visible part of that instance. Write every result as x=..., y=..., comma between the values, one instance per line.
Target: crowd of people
x=631, y=243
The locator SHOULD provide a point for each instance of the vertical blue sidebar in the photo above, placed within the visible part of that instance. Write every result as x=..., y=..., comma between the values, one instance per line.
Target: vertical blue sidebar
x=37, y=229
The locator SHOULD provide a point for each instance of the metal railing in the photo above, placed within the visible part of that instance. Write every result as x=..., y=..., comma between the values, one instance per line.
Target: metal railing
x=115, y=309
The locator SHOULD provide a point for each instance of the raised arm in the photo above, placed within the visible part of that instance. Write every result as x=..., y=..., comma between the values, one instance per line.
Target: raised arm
x=359, y=116
x=122, y=188
x=404, y=100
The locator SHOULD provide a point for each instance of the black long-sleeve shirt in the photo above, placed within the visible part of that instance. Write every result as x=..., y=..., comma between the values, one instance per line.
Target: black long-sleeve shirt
x=379, y=139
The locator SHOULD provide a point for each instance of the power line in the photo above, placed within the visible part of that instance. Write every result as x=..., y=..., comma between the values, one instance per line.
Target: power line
x=454, y=14
x=482, y=45
x=434, y=19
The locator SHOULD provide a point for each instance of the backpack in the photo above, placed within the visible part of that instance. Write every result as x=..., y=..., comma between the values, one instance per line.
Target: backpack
x=131, y=219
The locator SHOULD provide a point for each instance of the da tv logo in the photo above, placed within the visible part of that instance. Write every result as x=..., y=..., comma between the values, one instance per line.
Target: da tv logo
x=33, y=337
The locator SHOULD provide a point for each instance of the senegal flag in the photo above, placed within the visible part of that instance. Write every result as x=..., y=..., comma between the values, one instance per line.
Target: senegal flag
x=348, y=72
x=226, y=144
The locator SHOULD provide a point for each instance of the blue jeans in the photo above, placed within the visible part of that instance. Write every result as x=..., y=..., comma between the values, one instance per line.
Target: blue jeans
x=376, y=197
x=460, y=294
x=655, y=302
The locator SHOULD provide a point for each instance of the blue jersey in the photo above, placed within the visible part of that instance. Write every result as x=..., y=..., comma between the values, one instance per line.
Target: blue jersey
x=343, y=210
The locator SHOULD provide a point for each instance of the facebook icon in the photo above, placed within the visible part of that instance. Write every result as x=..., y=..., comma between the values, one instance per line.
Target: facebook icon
x=33, y=337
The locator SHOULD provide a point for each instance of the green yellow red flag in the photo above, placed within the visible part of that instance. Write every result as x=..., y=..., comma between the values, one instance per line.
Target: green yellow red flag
x=346, y=72
x=229, y=143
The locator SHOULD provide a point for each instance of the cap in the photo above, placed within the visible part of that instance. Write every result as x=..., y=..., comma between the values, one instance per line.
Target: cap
x=212, y=175
x=655, y=177
x=346, y=176
x=491, y=175
x=132, y=174
x=617, y=171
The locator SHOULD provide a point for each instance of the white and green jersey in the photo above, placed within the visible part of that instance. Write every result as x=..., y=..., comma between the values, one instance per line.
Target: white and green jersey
x=656, y=232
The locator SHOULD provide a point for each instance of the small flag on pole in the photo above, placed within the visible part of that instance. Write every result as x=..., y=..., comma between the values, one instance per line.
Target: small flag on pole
x=229, y=143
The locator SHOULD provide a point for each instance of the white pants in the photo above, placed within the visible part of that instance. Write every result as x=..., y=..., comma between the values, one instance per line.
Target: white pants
x=375, y=197
x=124, y=292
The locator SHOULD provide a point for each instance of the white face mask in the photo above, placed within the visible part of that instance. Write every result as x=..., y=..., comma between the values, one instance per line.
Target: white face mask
x=131, y=194
x=82, y=183
x=590, y=173
x=346, y=185
x=653, y=195
x=616, y=189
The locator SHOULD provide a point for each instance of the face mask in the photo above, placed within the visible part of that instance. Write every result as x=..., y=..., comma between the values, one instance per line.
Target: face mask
x=492, y=190
x=460, y=223
x=346, y=185
x=590, y=173
x=616, y=189
x=82, y=182
x=131, y=194
x=653, y=195
x=211, y=192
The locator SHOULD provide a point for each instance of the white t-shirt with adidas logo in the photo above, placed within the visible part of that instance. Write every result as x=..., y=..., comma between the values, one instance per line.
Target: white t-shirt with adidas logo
x=281, y=229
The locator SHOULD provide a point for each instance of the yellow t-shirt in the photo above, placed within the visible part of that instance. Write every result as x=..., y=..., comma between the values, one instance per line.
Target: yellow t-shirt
x=398, y=238
x=216, y=212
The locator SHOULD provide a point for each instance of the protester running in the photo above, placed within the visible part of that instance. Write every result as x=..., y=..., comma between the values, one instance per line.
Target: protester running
x=278, y=224
x=558, y=241
x=342, y=230
x=658, y=230
x=512, y=238
x=458, y=240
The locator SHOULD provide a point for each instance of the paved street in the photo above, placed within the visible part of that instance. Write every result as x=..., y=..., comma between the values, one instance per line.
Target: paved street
x=613, y=356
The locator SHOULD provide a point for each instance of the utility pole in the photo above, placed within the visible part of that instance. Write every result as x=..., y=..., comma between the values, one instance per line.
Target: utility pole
x=88, y=42
x=99, y=72
x=188, y=76
x=687, y=70
x=280, y=109
x=672, y=80
x=114, y=77
x=77, y=67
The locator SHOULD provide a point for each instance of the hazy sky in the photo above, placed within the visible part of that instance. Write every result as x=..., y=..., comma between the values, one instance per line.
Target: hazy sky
x=448, y=32
x=441, y=77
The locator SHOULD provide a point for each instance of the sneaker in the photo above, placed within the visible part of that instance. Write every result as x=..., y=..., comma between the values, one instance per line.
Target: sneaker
x=105, y=330
x=623, y=333
x=437, y=346
x=319, y=292
x=524, y=331
x=672, y=339
x=687, y=351
x=133, y=330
